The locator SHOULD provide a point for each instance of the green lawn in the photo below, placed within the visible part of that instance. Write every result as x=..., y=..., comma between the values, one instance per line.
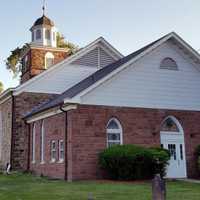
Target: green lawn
x=27, y=187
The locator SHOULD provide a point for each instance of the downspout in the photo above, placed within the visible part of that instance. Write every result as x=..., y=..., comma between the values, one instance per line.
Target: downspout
x=65, y=127
x=29, y=144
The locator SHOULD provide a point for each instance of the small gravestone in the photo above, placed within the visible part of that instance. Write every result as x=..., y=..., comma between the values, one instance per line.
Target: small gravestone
x=158, y=188
x=90, y=197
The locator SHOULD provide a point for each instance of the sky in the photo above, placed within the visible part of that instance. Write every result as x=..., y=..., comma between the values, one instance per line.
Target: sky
x=126, y=24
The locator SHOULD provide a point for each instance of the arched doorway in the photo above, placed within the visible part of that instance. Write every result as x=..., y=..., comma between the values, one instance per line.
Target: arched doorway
x=172, y=138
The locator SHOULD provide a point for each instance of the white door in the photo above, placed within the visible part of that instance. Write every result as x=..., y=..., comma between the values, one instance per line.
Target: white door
x=174, y=142
x=172, y=138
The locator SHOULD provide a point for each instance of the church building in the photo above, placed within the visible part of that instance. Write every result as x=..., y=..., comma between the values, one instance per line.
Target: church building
x=69, y=108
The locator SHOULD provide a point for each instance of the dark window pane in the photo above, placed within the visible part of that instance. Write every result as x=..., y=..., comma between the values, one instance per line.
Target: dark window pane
x=169, y=125
x=113, y=136
x=112, y=125
x=168, y=63
x=38, y=34
x=181, y=151
x=172, y=150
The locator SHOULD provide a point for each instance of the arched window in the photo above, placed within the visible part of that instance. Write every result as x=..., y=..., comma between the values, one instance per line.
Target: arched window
x=33, y=142
x=168, y=63
x=49, y=59
x=169, y=125
x=114, y=132
x=47, y=34
x=42, y=143
x=38, y=34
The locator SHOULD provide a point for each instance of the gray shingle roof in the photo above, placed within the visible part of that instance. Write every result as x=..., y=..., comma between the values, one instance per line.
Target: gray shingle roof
x=87, y=82
x=44, y=20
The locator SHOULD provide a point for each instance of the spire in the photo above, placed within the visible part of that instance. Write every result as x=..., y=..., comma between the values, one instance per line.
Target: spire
x=44, y=7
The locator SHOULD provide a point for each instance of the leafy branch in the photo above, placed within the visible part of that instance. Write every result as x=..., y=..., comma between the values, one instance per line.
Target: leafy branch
x=13, y=61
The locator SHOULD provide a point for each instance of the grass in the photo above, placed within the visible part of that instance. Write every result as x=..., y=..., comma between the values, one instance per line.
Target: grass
x=27, y=187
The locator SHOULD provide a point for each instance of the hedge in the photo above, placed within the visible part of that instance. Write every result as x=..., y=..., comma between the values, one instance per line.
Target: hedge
x=130, y=162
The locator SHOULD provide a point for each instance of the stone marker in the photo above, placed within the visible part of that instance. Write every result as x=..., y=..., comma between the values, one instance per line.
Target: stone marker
x=90, y=197
x=158, y=188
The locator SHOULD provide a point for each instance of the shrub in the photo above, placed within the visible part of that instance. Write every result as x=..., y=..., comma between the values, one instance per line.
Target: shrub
x=197, y=151
x=129, y=162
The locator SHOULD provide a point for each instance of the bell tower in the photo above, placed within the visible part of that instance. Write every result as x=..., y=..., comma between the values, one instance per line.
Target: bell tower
x=44, y=32
x=42, y=52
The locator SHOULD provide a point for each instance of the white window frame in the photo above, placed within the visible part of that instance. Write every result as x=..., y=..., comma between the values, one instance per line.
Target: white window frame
x=49, y=55
x=42, y=143
x=61, y=150
x=53, y=150
x=120, y=131
x=33, y=142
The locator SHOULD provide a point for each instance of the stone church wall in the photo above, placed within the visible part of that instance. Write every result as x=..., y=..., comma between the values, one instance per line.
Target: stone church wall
x=87, y=126
x=5, y=132
x=23, y=103
x=86, y=136
x=54, y=129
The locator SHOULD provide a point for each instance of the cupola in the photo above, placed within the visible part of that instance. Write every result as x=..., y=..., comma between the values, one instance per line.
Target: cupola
x=44, y=32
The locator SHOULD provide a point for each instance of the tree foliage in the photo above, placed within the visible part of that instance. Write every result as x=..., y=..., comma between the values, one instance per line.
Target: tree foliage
x=1, y=87
x=13, y=61
x=62, y=43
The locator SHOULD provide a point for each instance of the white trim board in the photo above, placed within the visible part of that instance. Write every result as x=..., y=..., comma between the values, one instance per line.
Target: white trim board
x=50, y=112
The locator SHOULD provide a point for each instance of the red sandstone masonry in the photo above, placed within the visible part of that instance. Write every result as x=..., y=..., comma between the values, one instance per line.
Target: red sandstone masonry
x=54, y=130
x=37, y=62
x=6, y=114
x=140, y=126
x=86, y=136
x=23, y=103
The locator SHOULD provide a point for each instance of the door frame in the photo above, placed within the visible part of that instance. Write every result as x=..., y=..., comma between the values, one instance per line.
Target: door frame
x=179, y=134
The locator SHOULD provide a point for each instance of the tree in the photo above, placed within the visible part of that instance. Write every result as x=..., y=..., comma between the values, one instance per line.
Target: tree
x=13, y=61
x=1, y=87
x=62, y=43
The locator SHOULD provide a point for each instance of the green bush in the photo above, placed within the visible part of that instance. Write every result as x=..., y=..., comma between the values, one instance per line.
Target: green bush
x=197, y=151
x=129, y=162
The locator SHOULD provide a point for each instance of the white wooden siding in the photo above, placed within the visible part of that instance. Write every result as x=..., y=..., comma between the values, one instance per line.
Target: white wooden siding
x=144, y=84
x=98, y=57
x=57, y=81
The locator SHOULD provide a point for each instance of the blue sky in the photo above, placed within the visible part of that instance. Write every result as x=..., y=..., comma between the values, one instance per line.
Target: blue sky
x=126, y=24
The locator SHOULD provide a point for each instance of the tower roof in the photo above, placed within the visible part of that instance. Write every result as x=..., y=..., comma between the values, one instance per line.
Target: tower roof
x=44, y=20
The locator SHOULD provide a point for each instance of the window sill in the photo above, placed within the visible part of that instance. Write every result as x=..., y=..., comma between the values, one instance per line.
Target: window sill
x=60, y=161
x=33, y=162
x=42, y=163
x=52, y=161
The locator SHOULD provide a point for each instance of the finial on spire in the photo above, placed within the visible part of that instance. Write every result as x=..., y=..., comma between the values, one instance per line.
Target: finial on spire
x=43, y=7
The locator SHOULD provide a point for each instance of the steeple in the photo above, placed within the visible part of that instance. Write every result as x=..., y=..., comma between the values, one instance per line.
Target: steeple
x=44, y=31
x=42, y=52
